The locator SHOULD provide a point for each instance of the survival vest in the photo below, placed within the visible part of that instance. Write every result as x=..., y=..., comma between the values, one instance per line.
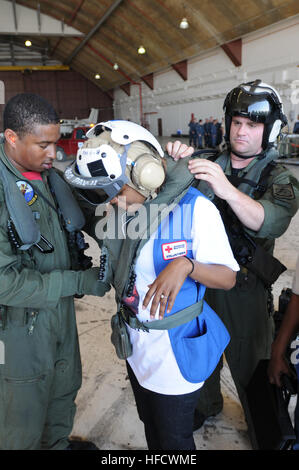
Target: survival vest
x=254, y=182
x=23, y=229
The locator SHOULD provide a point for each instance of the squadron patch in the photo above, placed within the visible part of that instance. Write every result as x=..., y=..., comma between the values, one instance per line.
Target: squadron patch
x=27, y=191
x=283, y=191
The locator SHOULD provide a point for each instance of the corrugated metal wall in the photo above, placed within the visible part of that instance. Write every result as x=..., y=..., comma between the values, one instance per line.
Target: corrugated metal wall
x=71, y=94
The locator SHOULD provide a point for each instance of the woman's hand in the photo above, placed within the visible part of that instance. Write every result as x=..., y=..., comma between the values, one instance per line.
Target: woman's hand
x=165, y=288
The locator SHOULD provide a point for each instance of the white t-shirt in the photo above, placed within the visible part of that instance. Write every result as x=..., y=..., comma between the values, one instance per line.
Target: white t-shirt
x=153, y=360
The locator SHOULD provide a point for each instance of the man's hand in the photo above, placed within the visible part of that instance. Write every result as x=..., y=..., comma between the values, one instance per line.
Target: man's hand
x=277, y=367
x=178, y=150
x=165, y=288
x=249, y=212
x=212, y=173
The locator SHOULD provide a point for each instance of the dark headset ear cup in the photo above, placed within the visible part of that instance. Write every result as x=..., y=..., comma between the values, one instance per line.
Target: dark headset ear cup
x=147, y=172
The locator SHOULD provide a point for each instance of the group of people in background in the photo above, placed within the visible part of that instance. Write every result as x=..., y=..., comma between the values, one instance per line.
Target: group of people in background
x=205, y=134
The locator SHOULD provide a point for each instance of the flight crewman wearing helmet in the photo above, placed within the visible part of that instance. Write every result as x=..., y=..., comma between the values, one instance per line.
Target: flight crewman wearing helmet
x=257, y=198
x=164, y=245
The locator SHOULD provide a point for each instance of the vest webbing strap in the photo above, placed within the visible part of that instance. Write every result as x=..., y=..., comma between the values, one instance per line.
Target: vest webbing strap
x=177, y=319
x=20, y=213
x=253, y=182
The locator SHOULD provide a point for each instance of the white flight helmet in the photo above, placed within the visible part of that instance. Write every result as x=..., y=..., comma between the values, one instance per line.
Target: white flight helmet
x=117, y=153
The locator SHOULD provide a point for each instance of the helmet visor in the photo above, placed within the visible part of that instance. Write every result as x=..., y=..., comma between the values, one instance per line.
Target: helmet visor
x=257, y=108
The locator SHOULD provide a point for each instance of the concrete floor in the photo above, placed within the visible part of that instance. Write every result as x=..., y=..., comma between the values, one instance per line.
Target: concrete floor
x=106, y=412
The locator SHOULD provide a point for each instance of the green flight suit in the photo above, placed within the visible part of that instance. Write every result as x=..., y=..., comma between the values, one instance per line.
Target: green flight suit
x=41, y=373
x=247, y=309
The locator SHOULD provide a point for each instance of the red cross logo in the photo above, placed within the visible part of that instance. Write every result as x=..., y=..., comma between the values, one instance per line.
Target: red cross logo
x=168, y=249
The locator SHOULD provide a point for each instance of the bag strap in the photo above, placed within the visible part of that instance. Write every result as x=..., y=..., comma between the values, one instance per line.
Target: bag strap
x=179, y=318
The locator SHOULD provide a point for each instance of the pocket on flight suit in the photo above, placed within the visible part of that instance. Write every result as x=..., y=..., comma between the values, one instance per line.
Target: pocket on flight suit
x=25, y=382
x=66, y=381
x=24, y=406
x=246, y=280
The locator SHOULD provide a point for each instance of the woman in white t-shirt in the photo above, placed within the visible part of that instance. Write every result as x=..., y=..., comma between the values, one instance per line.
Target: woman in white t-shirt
x=187, y=251
x=165, y=398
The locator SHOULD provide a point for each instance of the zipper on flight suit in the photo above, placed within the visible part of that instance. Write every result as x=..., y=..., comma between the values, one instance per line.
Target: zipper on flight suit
x=31, y=321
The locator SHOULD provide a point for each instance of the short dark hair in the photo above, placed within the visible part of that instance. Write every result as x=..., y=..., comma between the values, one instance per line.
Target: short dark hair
x=26, y=110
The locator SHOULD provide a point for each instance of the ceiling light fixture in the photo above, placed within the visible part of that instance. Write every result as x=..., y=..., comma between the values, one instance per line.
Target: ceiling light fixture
x=141, y=50
x=97, y=76
x=28, y=43
x=184, y=23
x=115, y=66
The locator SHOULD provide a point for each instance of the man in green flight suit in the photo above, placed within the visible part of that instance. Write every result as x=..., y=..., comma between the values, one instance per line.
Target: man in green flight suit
x=257, y=199
x=41, y=373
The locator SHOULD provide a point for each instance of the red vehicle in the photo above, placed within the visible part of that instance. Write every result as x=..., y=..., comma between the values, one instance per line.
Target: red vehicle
x=68, y=144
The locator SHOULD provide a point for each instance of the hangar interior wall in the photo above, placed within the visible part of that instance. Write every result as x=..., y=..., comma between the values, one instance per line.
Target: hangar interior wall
x=270, y=54
x=71, y=94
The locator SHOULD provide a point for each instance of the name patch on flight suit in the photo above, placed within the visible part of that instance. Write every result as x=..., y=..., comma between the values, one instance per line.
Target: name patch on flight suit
x=27, y=191
x=283, y=191
x=174, y=249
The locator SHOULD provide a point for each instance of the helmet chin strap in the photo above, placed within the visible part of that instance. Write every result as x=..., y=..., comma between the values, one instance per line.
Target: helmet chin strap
x=246, y=157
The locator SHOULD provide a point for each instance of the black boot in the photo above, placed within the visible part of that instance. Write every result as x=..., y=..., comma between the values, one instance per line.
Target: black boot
x=199, y=419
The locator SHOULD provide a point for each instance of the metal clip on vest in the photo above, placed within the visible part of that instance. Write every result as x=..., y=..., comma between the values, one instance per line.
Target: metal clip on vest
x=132, y=280
x=131, y=319
x=102, y=267
x=12, y=235
x=16, y=243
x=50, y=248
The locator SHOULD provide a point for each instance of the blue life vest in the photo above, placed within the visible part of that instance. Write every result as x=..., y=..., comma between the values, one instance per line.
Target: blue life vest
x=198, y=344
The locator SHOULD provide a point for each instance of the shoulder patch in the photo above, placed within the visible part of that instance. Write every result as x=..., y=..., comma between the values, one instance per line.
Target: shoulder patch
x=283, y=191
x=27, y=191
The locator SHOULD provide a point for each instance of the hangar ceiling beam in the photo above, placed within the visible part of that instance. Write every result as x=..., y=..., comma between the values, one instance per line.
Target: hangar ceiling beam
x=15, y=14
x=93, y=31
x=149, y=80
x=15, y=19
x=181, y=69
x=233, y=50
